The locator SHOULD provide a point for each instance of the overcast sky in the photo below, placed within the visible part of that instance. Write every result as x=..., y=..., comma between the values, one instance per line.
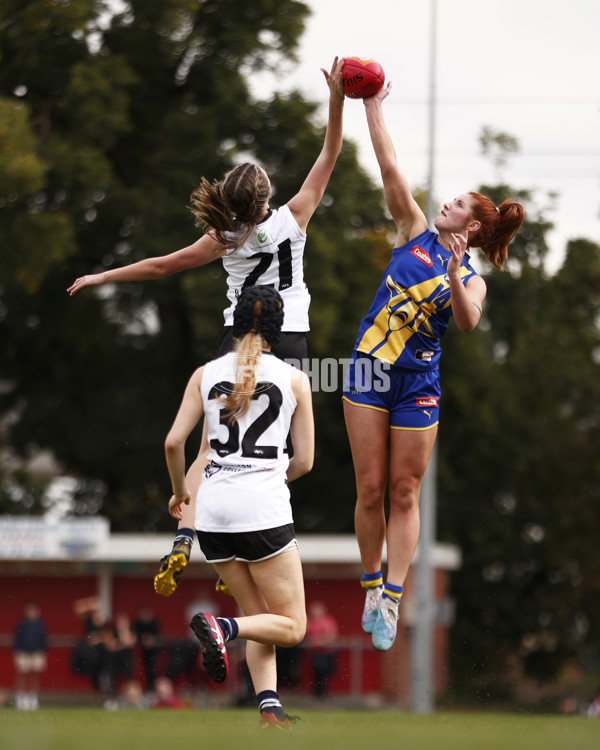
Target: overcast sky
x=530, y=68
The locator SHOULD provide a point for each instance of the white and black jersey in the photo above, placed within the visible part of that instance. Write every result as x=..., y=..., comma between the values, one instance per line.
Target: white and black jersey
x=272, y=256
x=244, y=487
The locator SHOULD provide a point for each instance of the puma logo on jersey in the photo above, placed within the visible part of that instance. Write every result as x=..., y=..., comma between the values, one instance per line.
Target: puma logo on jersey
x=422, y=255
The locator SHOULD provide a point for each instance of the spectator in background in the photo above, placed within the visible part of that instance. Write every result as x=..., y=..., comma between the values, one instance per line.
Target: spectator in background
x=90, y=655
x=147, y=630
x=166, y=697
x=30, y=656
x=593, y=710
x=132, y=696
x=120, y=641
x=321, y=635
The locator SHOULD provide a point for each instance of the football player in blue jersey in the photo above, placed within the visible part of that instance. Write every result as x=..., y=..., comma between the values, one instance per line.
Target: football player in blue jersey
x=392, y=390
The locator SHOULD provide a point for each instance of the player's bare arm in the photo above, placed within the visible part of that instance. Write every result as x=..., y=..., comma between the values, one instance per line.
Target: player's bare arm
x=305, y=202
x=203, y=251
x=406, y=213
x=467, y=299
x=302, y=428
x=188, y=416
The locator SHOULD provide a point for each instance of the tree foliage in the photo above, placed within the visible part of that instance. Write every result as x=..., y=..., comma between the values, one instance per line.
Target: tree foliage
x=110, y=122
x=518, y=480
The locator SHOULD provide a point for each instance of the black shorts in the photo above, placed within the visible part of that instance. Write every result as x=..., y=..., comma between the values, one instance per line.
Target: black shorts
x=291, y=345
x=246, y=546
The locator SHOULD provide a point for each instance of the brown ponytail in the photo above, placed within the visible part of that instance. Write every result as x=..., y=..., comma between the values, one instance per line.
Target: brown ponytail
x=498, y=227
x=231, y=205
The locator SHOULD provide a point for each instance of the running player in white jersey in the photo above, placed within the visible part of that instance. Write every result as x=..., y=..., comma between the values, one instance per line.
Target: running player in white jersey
x=250, y=401
x=257, y=245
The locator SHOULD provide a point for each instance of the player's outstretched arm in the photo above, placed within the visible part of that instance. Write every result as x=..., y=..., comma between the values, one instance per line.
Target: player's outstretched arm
x=305, y=202
x=203, y=251
x=406, y=213
x=302, y=428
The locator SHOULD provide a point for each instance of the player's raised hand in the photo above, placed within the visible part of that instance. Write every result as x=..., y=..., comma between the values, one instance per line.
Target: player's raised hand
x=457, y=247
x=334, y=77
x=382, y=94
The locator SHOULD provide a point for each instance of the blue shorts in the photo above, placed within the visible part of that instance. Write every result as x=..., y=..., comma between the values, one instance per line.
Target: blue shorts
x=410, y=397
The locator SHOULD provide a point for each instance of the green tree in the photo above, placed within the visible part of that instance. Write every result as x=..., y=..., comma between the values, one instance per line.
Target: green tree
x=518, y=483
x=113, y=120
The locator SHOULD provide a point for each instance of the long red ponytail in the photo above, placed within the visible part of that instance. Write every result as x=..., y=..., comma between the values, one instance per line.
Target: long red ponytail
x=498, y=227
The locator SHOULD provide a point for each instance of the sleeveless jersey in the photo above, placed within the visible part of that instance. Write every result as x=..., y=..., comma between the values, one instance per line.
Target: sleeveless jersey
x=411, y=310
x=244, y=487
x=272, y=256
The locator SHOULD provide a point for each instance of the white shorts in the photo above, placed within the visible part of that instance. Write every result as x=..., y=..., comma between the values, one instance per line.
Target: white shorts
x=30, y=661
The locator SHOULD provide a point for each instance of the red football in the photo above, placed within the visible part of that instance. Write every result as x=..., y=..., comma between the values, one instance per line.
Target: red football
x=362, y=77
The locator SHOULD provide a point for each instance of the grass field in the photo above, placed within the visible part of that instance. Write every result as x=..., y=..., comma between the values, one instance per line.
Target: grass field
x=229, y=729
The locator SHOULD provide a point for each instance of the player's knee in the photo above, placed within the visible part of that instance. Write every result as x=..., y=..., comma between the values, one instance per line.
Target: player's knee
x=295, y=632
x=371, y=494
x=404, y=495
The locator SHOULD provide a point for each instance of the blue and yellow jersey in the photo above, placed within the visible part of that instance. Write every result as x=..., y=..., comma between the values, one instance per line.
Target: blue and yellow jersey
x=411, y=310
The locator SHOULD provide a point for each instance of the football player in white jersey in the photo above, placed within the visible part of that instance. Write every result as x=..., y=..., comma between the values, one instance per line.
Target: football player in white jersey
x=257, y=245
x=251, y=400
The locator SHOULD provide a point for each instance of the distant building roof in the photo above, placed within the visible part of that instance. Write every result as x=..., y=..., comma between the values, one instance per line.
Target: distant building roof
x=90, y=539
x=314, y=548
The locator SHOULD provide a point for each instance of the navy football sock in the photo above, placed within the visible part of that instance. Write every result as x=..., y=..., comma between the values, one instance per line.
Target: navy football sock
x=229, y=627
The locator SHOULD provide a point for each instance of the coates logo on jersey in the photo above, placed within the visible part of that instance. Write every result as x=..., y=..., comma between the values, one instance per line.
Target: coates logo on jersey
x=423, y=256
x=429, y=401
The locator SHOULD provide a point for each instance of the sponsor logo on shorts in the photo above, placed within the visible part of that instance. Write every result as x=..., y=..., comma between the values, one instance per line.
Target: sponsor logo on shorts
x=428, y=401
x=423, y=256
x=424, y=356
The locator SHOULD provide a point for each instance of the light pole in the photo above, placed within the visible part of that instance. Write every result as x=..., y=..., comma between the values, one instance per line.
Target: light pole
x=422, y=667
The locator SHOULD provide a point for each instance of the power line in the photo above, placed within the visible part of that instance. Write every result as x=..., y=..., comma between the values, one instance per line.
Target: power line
x=511, y=101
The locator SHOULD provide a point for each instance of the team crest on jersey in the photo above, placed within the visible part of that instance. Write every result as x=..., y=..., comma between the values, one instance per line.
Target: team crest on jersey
x=212, y=468
x=262, y=236
x=422, y=255
x=428, y=401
